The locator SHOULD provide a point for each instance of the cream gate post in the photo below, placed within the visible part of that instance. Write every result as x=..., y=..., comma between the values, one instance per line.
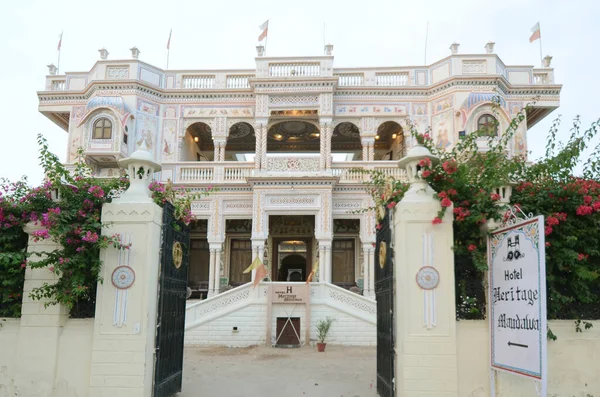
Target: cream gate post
x=125, y=324
x=41, y=327
x=425, y=342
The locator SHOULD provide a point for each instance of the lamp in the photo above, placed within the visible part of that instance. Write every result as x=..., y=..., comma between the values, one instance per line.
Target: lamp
x=394, y=136
x=196, y=139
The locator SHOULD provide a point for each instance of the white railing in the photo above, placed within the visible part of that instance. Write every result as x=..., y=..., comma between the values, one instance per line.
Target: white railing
x=392, y=78
x=540, y=78
x=350, y=172
x=238, y=173
x=237, y=81
x=294, y=69
x=343, y=300
x=350, y=79
x=219, y=305
x=199, y=81
x=58, y=85
x=201, y=173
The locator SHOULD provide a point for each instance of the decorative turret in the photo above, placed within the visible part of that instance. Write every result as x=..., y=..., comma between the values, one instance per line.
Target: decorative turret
x=454, y=48
x=103, y=53
x=328, y=49
x=140, y=167
x=260, y=50
x=52, y=69
x=489, y=47
x=413, y=163
x=135, y=52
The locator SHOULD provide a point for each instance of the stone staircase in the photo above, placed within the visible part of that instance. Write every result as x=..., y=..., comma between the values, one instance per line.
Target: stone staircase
x=238, y=317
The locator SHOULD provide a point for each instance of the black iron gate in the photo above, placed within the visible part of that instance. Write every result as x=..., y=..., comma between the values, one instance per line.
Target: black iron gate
x=170, y=321
x=384, y=294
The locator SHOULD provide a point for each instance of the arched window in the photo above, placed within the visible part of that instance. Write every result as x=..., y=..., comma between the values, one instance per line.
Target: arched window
x=102, y=129
x=487, y=125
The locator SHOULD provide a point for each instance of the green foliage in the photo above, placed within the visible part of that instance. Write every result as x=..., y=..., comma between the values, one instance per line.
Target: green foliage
x=466, y=180
x=65, y=209
x=323, y=327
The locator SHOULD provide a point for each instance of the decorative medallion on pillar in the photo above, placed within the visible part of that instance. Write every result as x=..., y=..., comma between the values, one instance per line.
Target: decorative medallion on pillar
x=428, y=279
x=122, y=279
x=382, y=254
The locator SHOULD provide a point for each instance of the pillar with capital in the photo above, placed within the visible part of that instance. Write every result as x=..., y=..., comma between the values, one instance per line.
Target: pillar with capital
x=325, y=143
x=424, y=302
x=368, y=145
x=214, y=270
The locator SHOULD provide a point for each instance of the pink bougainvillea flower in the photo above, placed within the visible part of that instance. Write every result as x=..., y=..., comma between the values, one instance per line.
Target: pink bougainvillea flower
x=391, y=205
x=472, y=247
x=446, y=202
x=437, y=220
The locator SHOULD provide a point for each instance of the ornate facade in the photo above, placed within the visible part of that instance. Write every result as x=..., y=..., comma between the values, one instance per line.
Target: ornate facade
x=282, y=141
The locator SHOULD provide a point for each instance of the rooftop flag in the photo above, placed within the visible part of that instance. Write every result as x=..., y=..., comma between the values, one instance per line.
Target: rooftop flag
x=535, y=33
x=264, y=27
x=59, y=42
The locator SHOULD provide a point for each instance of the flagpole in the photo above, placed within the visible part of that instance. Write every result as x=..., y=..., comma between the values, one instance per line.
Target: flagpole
x=168, y=51
x=426, y=34
x=59, y=48
x=541, y=56
x=324, y=38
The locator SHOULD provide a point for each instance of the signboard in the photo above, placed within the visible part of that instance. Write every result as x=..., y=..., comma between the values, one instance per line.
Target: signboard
x=289, y=293
x=517, y=272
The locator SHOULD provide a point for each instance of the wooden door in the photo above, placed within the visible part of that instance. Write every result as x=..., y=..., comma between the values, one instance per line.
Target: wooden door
x=285, y=331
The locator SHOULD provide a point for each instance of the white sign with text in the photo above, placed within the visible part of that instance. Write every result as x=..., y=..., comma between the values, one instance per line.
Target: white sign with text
x=517, y=272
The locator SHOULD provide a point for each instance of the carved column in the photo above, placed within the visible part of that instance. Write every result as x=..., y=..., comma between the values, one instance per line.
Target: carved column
x=328, y=262
x=368, y=151
x=211, y=273
x=367, y=269
x=372, y=272
x=328, y=133
x=263, y=150
x=322, y=266
x=215, y=259
x=258, y=145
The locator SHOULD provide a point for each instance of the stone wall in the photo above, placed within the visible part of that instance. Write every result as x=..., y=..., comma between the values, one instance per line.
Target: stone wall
x=72, y=370
x=572, y=363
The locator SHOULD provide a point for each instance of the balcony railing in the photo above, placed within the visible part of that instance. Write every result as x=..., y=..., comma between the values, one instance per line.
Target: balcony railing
x=392, y=79
x=58, y=85
x=236, y=81
x=199, y=81
x=350, y=79
x=541, y=78
x=237, y=172
x=296, y=69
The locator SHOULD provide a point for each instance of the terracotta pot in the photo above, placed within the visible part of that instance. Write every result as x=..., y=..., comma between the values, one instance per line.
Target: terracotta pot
x=321, y=347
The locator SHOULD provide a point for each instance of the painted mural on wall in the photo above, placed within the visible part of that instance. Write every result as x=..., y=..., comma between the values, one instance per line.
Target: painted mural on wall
x=419, y=117
x=196, y=111
x=169, y=140
x=146, y=107
x=442, y=104
x=146, y=132
x=395, y=109
x=74, y=146
x=443, y=129
x=170, y=112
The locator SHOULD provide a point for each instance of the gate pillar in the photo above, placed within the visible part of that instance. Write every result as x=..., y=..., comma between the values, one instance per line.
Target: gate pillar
x=426, y=356
x=126, y=304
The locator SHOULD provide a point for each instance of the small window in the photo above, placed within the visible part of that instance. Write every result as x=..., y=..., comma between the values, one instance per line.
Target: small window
x=102, y=129
x=487, y=125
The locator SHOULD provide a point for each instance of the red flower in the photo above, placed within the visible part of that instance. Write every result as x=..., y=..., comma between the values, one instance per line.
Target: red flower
x=584, y=210
x=452, y=192
x=436, y=220
x=425, y=162
x=379, y=226
x=581, y=257
x=548, y=244
x=547, y=230
x=442, y=195
x=596, y=206
x=446, y=202
x=450, y=166
x=495, y=196
x=552, y=220
x=587, y=200
x=391, y=205
x=426, y=173
x=472, y=247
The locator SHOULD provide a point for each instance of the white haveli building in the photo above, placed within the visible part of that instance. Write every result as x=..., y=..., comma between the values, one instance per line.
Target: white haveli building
x=280, y=142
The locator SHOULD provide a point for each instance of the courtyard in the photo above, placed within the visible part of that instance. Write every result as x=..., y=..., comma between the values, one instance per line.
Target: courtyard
x=263, y=371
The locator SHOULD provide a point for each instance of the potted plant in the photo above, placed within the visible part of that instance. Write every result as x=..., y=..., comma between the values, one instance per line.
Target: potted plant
x=322, y=331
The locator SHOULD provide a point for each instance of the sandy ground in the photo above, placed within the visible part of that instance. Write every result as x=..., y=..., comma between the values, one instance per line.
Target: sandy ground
x=265, y=372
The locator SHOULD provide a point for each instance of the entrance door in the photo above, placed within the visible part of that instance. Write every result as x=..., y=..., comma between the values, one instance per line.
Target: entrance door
x=384, y=294
x=170, y=321
x=288, y=331
x=292, y=259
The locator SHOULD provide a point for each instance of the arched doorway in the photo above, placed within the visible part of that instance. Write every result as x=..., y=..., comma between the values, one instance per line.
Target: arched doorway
x=293, y=268
x=197, y=143
x=389, y=142
x=345, y=143
x=241, y=142
x=293, y=145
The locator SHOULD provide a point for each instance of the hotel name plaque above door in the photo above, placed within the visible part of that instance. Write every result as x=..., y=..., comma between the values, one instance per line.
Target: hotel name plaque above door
x=289, y=293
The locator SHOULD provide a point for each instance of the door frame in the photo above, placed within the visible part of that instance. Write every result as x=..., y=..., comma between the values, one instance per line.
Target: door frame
x=275, y=260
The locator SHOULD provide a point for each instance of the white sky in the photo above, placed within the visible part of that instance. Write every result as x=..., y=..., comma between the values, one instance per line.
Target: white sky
x=223, y=34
